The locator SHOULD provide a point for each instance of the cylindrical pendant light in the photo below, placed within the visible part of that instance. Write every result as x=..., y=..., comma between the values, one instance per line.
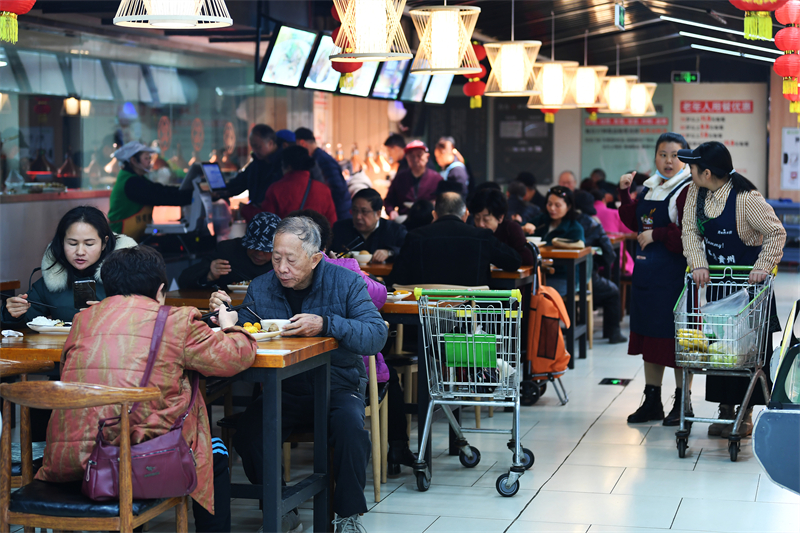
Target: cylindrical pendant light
x=512, y=65
x=444, y=40
x=370, y=31
x=173, y=14
x=617, y=93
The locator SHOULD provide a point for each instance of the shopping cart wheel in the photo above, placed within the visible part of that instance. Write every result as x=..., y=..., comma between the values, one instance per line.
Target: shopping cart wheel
x=506, y=491
x=682, y=445
x=528, y=459
x=530, y=393
x=423, y=481
x=733, y=448
x=466, y=461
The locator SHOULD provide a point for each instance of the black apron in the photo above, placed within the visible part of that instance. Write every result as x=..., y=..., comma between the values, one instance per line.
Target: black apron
x=658, y=274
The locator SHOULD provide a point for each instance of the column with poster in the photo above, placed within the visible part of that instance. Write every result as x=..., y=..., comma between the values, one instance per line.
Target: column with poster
x=619, y=144
x=734, y=114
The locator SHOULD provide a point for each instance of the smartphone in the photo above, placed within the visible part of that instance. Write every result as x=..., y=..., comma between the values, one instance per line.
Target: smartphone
x=84, y=291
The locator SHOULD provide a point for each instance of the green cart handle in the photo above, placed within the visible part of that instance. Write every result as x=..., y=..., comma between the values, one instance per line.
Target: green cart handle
x=722, y=268
x=454, y=293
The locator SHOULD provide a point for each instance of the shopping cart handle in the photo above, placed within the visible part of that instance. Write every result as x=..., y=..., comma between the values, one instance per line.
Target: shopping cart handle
x=451, y=293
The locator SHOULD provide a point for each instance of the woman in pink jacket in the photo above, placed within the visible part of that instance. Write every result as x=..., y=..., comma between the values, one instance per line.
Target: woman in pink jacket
x=109, y=345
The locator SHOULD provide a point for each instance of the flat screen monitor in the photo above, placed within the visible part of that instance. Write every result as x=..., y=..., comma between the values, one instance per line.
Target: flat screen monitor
x=362, y=80
x=287, y=56
x=214, y=176
x=322, y=77
x=390, y=79
x=439, y=89
x=415, y=87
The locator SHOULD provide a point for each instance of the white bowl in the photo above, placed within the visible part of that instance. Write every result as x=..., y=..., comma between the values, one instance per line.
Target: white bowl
x=363, y=259
x=535, y=240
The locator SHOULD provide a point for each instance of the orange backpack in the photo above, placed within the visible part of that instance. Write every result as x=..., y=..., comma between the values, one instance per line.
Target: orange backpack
x=546, y=350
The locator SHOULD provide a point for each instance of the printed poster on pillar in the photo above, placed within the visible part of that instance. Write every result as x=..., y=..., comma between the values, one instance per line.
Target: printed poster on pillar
x=734, y=114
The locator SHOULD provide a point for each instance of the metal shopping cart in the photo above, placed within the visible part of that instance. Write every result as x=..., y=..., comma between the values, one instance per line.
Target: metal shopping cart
x=730, y=344
x=472, y=356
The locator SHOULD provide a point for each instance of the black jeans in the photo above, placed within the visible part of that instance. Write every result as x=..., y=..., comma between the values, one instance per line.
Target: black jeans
x=221, y=519
x=346, y=434
x=398, y=425
x=606, y=295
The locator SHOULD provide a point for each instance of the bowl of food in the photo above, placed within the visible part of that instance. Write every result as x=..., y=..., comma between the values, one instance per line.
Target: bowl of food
x=396, y=296
x=363, y=257
x=266, y=328
x=240, y=287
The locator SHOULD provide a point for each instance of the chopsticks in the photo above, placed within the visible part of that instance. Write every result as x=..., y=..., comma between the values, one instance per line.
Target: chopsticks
x=358, y=241
x=42, y=304
x=229, y=308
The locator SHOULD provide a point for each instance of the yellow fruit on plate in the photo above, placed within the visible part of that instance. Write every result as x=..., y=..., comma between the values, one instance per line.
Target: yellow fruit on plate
x=257, y=325
x=247, y=325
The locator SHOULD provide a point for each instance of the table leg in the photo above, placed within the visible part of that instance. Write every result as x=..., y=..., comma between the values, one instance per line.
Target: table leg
x=273, y=496
x=582, y=283
x=321, y=401
x=570, y=304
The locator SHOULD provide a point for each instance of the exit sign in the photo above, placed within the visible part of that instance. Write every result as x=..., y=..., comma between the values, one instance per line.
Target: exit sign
x=686, y=76
x=619, y=16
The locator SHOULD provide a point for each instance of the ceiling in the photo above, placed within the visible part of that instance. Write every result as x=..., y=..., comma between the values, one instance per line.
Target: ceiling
x=655, y=42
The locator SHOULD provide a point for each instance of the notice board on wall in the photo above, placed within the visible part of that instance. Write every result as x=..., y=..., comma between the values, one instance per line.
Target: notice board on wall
x=523, y=141
x=734, y=114
x=619, y=144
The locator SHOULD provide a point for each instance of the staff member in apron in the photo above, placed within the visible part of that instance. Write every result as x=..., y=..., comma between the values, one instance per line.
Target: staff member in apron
x=658, y=273
x=727, y=215
x=134, y=195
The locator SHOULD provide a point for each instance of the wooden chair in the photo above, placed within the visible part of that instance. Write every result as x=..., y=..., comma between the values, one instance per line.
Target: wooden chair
x=61, y=506
x=625, y=282
x=589, y=301
x=25, y=467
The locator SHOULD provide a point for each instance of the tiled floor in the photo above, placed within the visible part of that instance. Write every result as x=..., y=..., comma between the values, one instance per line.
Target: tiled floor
x=593, y=472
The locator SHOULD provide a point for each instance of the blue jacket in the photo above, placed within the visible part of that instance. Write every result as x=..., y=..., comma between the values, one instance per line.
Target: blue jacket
x=338, y=295
x=332, y=173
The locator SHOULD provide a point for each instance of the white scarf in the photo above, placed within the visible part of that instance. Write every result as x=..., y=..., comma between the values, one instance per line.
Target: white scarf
x=659, y=187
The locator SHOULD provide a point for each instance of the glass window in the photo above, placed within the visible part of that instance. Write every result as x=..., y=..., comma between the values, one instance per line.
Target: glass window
x=44, y=73
x=89, y=79
x=7, y=80
x=168, y=85
x=131, y=82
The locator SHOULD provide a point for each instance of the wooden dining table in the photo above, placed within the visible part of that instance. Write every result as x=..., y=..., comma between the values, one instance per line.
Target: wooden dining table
x=276, y=360
x=501, y=278
x=199, y=297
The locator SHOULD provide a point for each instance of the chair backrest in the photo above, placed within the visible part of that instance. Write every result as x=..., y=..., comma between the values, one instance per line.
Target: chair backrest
x=14, y=368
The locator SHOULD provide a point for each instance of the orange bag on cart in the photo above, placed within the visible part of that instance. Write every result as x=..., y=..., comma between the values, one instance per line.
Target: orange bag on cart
x=546, y=349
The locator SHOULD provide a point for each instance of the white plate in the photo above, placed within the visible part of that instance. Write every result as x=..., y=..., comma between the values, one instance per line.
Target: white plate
x=51, y=330
x=238, y=287
x=397, y=297
x=265, y=324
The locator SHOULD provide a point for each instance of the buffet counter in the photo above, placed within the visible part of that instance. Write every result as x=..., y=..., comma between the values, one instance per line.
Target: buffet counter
x=68, y=194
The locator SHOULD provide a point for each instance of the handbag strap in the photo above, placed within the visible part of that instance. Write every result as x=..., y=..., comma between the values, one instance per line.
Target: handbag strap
x=305, y=196
x=155, y=342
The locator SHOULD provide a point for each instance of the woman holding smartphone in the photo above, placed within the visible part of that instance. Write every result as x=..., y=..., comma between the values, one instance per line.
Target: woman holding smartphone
x=73, y=258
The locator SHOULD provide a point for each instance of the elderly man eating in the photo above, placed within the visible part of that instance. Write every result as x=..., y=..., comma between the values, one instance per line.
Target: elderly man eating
x=320, y=299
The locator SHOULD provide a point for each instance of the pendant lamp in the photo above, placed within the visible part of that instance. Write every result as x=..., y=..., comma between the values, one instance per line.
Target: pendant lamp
x=616, y=92
x=641, y=100
x=444, y=40
x=589, y=83
x=553, y=82
x=173, y=14
x=370, y=31
x=512, y=65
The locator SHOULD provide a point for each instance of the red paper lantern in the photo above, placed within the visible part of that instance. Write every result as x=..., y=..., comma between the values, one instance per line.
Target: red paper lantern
x=347, y=69
x=788, y=39
x=789, y=13
x=474, y=89
x=787, y=67
x=9, y=10
x=757, y=20
x=478, y=76
x=335, y=13
x=550, y=115
x=480, y=51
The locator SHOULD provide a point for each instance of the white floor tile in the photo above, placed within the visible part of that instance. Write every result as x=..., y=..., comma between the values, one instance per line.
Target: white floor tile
x=599, y=454
x=449, y=524
x=730, y=516
x=579, y=478
x=691, y=484
x=607, y=509
x=596, y=528
x=396, y=523
x=521, y=526
x=770, y=492
x=533, y=479
x=616, y=433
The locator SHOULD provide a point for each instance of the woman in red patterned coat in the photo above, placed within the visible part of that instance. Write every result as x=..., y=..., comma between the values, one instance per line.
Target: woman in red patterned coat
x=109, y=344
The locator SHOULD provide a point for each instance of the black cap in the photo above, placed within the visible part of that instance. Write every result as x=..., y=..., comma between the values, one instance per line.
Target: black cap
x=584, y=202
x=711, y=155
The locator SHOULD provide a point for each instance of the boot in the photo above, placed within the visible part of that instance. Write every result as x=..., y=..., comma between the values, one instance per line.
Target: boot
x=725, y=412
x=651, y=408
x=399, y=454
x=674, y=416
x=745, y=428
x=617, y=337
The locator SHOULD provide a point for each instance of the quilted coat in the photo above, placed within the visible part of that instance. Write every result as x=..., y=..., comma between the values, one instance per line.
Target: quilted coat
x=108, y=345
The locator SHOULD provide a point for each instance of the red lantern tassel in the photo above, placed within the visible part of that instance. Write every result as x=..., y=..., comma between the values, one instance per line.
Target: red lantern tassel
x=9, y=31
x=475, y=102
x=789, y=86
x=794, y=107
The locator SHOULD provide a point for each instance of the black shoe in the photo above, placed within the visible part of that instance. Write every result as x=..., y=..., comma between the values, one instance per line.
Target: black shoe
x=674, y=416
x=651, y=408
x=617, y=338
x=399, y=454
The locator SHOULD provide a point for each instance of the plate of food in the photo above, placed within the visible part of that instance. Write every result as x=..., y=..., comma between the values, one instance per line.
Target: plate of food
x=42, y=324
x=396, y=296
x=241, y=286
x=266, y=329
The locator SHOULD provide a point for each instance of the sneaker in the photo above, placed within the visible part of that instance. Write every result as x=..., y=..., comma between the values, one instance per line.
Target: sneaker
x=725, y=412
x=350, y=524
x=745, y=428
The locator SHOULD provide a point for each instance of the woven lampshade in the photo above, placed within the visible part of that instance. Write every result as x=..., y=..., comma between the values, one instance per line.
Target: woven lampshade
x=444, y=40
x=587, y=85
x=370, y=31
x=173, y=14
x=616, y=94
x=553, y=83
x=641, y=101
x=512, y=67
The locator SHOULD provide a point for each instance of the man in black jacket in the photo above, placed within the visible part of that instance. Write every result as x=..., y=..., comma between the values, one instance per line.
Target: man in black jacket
x=367, y=230
x=263, y=170
x=451, y=252
x=606, y=293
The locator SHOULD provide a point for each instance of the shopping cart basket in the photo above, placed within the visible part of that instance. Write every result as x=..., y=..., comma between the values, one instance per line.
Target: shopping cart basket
x=722, y=344
x=472, y=355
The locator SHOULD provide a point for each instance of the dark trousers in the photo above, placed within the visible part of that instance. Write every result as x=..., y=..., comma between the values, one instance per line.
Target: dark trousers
x=346, y=434
x=398, y=425
x=606, y=295
x=221, y=519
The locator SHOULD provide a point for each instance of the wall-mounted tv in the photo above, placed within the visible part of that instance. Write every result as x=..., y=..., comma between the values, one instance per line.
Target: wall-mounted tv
x=322, y=77
x=362, y=80
x=415, y=87
x=287, y=56
x=390, y=79
x=439, y=88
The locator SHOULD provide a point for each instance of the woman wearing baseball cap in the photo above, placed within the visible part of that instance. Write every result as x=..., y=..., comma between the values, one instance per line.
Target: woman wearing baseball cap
x=727, y=216
x=134, y=195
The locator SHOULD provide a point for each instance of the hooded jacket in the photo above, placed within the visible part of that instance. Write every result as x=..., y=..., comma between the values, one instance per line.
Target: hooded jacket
x=53, y=288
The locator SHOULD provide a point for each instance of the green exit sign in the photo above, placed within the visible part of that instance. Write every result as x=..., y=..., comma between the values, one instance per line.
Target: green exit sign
x=686, y=76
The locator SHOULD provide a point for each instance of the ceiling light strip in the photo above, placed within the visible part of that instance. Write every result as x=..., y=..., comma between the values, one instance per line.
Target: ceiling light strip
x=706, y=26
x=732, y=53
x=729, y=43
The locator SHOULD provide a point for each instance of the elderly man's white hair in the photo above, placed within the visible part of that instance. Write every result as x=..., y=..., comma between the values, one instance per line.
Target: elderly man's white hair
x=304, y=229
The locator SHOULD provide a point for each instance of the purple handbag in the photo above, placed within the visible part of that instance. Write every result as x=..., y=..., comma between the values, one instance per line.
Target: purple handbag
x=162, y=467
